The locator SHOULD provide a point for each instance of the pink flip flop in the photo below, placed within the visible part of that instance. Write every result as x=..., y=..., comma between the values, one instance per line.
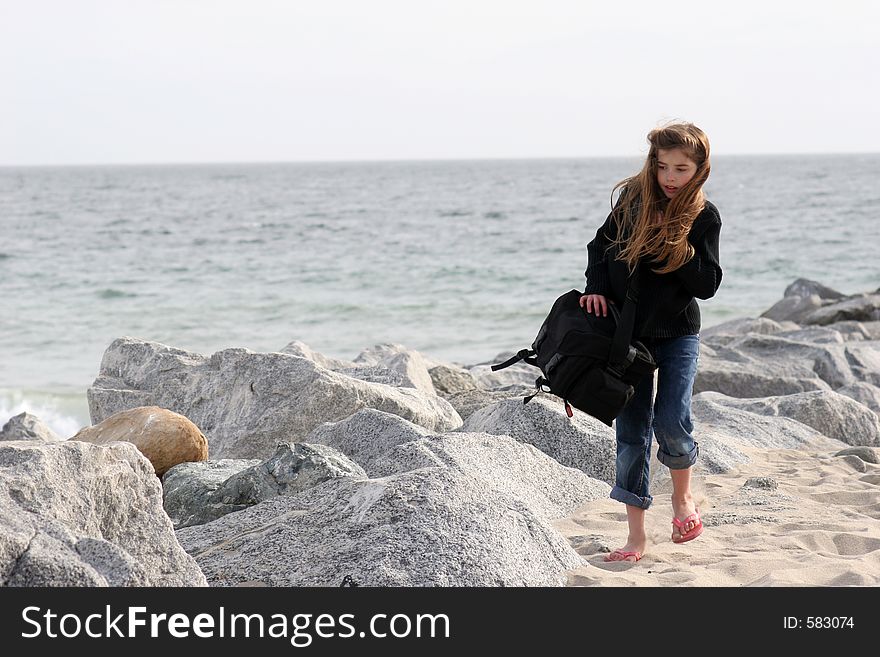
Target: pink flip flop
x=623, y=555
x=693, y=533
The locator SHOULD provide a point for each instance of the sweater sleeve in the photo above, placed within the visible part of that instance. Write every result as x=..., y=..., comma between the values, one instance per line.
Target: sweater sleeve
x=701, y=275
x=597, y=260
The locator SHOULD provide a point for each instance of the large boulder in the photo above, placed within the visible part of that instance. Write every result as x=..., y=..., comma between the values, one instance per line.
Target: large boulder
x=426, y=527
x=804, y=287
x=366, y=436
x=164, y=437
x=449, y=380
x=581, y=442
x=741, y=326
x=502, y=463
x=385, y=444
x=299, y=348
x=828, y=412
x=467, y=402
x=813, y=335
x=872, y=328
x=518, y=375
x=190, y=490
x=408, y=363
x=756, y=365
x=737, y=374
x=793, y=308
x=850, y=331
x=859, y=307
x=77, y=514
x=293, y=467
x=864, y=361
x=247, y=402
x=866, y=394
x=726, y=429
x=830, y=362
x=26, y=426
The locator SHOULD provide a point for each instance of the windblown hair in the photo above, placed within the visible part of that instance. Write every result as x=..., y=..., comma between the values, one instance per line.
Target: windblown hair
x=651, y=226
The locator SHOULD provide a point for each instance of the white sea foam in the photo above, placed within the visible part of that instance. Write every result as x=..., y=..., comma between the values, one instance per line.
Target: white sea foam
x=58, y=412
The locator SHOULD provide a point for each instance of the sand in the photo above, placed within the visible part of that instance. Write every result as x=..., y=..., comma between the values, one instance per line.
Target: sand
x=819, y=527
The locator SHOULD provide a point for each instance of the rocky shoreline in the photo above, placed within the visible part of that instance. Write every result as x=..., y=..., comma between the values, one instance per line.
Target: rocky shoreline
x=290, y=468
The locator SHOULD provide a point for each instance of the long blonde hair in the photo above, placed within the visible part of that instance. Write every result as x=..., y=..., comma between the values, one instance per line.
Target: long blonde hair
x=639, y=232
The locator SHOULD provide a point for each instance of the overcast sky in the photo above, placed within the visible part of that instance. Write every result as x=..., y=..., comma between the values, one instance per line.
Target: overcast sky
x=151, y=81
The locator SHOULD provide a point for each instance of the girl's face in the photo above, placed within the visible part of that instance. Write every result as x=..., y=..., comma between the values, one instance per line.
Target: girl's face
x=674, y=170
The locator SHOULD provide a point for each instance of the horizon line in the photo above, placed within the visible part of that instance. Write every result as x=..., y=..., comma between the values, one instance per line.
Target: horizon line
x=411, y=160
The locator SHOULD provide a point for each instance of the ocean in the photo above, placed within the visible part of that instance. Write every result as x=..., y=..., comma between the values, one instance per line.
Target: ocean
x=460, y=260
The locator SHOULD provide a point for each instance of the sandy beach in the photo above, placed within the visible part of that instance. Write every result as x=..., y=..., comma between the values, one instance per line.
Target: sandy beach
x=819, y=527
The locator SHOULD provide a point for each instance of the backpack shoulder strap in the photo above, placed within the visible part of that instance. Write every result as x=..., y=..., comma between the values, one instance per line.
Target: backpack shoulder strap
x=622, y=352
x=527, y=355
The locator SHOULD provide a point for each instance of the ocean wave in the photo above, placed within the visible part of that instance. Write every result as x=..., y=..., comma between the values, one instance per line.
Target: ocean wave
x=64, y=422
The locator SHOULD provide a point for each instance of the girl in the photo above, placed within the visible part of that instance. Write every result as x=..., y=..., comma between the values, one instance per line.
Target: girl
x=664, y=226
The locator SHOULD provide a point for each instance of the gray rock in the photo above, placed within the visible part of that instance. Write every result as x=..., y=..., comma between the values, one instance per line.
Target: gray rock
x=864, y=360
x=736, y=327
x=724, y=428
x=828, y=412
x=366, y=436
x=426, y=527
x=190, y=490
x=519, y=374
x=581, y=441
x=466, y=403
x=449, y=380
x=246, y=403
x=813, y=335
x=386, y=444
x=859, y=307
x=372, y=373
x=871, y=328
x=503, y=464
x=408, y=363
x=864, y=393
x=763, y=365
x=852, y=331
x=737, y=373
x=377, y=374
x=76, y=514
x=866, y=454
x=767, y=483
x=804, y=287
x=830, y=362
x=26, y=426
x=293, y=468
x=793, y=308
x=855, y=462
x=195, y=497
x=299, y=348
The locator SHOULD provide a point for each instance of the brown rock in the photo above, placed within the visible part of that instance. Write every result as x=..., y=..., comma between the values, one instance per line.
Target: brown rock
x=164, y=437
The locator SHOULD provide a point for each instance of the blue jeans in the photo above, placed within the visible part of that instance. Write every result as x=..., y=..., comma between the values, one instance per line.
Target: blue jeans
x=668, y=417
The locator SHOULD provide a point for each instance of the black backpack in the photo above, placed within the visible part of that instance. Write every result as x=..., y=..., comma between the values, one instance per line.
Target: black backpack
x=590, y=362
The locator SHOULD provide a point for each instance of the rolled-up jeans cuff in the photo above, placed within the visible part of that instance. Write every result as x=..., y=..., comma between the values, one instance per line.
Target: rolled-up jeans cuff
x=679, y=462
x=623, y=495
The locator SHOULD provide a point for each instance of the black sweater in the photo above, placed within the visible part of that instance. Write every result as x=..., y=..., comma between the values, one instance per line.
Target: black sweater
x=666, y=301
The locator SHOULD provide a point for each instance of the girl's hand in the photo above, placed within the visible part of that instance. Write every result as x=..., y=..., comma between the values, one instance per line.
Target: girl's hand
x=594, y=303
